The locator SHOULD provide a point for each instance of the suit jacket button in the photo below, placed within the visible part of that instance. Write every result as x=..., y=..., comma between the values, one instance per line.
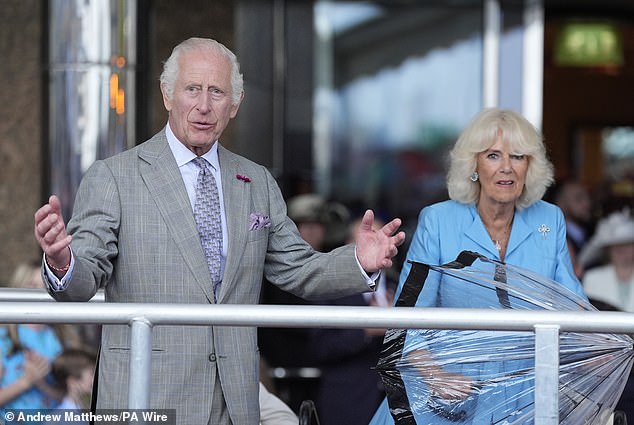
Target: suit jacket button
x=212, y=357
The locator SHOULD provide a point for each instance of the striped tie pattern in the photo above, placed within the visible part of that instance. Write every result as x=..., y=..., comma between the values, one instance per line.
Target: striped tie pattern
x=207, y=216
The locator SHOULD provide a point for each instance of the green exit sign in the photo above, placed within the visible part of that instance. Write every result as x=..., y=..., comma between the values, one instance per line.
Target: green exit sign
x=589, y=44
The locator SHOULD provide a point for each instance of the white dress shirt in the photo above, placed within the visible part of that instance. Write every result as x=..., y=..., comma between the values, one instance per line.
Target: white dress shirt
x=190, y=171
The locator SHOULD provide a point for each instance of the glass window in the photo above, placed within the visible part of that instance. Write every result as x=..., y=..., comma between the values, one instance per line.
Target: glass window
x=395, y=85
x=403, y=83
x=511, y=61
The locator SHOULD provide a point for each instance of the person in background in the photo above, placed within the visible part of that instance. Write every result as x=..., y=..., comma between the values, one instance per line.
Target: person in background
x=181, y=219
x=29, y=276
x=27, y=352
x=574, y=200
x=349, y=390
x=610, y=283
x=318, y=222
x=497, y=176
x=611, y=246
x=310, y=213
x=73, y=371
x=274, y=411
x=287, y=349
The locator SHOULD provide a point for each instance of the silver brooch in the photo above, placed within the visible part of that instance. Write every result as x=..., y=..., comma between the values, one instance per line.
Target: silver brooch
x=543, y=229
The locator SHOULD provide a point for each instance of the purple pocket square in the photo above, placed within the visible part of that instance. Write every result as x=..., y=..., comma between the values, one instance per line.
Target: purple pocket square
x=259, y=221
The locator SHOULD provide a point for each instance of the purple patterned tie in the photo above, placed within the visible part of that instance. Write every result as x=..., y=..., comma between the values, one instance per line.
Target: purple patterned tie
x=207, y=216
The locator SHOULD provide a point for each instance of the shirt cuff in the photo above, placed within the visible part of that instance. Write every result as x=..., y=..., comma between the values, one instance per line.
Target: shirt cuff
x=55, y=283
x=371, y=279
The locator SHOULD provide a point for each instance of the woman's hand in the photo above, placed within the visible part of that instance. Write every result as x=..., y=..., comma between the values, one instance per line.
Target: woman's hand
x=447, y=385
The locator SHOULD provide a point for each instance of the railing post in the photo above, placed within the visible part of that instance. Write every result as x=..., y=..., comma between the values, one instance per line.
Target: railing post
x=546, y=374
x=140, y=374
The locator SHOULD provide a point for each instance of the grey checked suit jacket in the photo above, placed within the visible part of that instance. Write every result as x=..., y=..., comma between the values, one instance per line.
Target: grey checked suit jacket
x=134, y=235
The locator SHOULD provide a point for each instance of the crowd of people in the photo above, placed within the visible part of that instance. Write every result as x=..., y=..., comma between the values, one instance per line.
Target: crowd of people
x=135, y=232
x=44, y=366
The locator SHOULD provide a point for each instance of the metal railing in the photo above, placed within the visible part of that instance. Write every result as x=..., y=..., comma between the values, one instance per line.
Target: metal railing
x=25, y=306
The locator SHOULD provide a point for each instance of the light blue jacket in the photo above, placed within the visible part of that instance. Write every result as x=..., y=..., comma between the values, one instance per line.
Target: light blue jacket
x=538, y=243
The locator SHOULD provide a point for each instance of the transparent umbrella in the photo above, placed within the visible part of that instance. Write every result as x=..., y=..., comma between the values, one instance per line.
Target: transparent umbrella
x=488, y=377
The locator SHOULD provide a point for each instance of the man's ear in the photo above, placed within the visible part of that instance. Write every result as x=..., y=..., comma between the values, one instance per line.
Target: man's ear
x=166, y=99
x=235, y=107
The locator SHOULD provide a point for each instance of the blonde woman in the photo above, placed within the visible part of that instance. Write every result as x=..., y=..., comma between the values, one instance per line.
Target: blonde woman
x=498, y=174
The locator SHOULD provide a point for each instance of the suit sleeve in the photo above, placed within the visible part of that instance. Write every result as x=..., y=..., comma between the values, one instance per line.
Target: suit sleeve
x=294, y=266
x=94, y=227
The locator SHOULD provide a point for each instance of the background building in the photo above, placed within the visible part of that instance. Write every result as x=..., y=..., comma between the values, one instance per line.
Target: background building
x=356, y=100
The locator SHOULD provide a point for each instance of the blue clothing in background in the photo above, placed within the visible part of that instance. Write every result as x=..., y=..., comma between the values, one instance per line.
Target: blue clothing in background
x=38, y=338
x=538, y=243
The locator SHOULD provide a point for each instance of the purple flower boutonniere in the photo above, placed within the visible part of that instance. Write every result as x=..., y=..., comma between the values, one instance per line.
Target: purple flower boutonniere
x=259, y=221
x=243, y=178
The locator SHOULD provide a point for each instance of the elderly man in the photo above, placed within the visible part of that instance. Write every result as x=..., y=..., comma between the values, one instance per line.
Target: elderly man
x=180, y=219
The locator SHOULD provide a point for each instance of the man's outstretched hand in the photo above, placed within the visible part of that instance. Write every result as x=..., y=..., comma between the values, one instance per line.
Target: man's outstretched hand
x=50, y=233
x=376, y=248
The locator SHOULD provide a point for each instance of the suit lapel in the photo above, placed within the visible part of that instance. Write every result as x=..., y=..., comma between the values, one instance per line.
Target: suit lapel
x=163, y=179
x=479, y=235
x=237, y=194
x=519, y=232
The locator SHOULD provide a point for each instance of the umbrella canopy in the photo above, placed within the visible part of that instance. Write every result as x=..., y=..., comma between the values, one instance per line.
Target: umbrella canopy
x=488, y=377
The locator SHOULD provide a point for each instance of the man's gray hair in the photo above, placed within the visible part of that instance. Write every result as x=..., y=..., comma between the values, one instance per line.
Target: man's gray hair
x=171, y=67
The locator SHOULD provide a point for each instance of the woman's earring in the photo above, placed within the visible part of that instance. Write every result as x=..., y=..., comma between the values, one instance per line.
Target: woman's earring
x=474, y=176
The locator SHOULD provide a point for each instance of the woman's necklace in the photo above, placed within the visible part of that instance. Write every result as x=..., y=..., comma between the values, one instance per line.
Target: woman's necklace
x=502, y=239
x=498, y=245
x=500, y=242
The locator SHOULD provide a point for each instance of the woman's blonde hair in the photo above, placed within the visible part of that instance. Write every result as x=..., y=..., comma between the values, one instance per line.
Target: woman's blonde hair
x=523, y=138
x=23, y=275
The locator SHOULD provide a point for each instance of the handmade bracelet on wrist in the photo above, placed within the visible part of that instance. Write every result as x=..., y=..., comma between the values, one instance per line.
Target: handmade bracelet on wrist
x=60, y=269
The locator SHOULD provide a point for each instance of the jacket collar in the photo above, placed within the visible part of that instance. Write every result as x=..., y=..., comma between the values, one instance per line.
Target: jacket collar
x=477, y=232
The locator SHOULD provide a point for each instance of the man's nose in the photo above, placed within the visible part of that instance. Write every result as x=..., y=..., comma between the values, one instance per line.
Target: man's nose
x=204, y=102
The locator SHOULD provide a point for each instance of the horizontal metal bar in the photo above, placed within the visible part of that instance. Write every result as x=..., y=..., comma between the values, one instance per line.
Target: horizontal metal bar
x=314, y=316
x=142, y=317
x=36, y=295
